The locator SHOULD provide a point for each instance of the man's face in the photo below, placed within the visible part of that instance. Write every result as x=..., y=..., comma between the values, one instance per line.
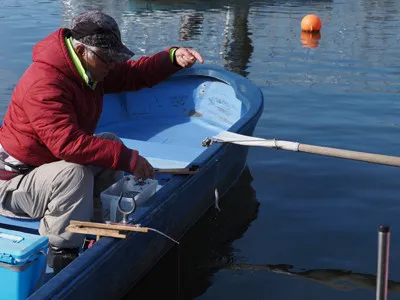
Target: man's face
x=98, y=64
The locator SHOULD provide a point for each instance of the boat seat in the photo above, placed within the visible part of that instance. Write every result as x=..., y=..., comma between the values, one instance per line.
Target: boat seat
x=162, y=155
x=158, y=154
x=16, y=222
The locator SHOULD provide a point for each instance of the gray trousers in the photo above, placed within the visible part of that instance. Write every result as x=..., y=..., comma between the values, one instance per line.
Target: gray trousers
x=56, y=193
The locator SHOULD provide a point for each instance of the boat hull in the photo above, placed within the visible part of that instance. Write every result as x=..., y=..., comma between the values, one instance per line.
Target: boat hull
x=112, y=267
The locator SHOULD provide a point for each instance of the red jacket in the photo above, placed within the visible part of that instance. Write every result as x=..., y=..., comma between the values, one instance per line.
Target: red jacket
x=53, y=113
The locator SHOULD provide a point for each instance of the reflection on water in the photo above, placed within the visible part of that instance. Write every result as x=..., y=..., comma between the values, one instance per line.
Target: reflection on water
x=310, y=39
x=334, y=278
x=137, y=18
x=205, y=249
x=71, y=8
x=238, y=40
x=190, y=26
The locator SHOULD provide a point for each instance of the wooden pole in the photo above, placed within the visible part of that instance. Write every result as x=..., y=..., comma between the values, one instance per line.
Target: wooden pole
x=115, y=230
x=354, y=155
x=243, y=140
x=112, y=226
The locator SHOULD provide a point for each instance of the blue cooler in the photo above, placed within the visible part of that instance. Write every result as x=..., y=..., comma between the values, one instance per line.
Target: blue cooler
x=22, y=263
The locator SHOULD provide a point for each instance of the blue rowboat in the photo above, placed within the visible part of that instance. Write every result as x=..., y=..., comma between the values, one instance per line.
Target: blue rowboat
x=167, y=124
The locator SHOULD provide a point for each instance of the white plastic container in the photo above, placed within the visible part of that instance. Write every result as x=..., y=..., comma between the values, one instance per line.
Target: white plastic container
x=140, y=191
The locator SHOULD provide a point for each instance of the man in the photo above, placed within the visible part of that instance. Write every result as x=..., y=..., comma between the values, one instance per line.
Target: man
x=51, y=163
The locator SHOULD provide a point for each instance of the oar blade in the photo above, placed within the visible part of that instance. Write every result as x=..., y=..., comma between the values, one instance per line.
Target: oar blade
x=244, y=140
x=235, y=138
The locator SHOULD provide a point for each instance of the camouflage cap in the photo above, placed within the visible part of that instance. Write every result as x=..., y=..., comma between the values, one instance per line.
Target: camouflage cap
x=96, y=29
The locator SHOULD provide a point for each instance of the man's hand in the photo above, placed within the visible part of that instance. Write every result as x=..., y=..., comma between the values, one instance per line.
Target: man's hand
x=186, y=57
x=143, y=169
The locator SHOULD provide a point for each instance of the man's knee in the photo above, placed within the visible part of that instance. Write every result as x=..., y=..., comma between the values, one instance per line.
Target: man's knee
x=76, y=173
x=108, y=136
x=71, y=199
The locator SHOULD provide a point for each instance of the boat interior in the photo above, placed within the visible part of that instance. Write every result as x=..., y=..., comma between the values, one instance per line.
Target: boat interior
x=166, y=124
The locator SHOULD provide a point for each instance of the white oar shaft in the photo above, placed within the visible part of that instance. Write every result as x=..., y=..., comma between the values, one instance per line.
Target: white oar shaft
x=354, y=155
x=230, y=137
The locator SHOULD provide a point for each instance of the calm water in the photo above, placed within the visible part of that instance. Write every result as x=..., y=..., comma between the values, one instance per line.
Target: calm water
x=314, y=218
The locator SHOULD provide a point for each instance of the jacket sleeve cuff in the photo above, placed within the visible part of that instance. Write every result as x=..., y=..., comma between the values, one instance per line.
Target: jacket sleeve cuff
x=171, y=52
x=133, y=161
x=127, y=159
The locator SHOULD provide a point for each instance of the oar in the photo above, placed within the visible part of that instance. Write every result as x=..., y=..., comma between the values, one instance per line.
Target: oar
x=230, y=137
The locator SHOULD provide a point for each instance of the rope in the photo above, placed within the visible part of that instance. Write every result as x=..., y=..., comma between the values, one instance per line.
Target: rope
x=163, y=234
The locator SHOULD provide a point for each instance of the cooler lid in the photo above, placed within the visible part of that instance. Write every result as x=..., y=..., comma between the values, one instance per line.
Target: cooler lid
x=17, y=247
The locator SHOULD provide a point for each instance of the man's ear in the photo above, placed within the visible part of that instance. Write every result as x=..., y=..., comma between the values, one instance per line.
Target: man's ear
x=80, y=49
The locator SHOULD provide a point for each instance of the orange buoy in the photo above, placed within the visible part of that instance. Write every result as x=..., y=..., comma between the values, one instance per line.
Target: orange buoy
x=311, y=23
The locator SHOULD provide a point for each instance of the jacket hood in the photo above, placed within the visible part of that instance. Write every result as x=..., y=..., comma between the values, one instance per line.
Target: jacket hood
x=53, y=51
